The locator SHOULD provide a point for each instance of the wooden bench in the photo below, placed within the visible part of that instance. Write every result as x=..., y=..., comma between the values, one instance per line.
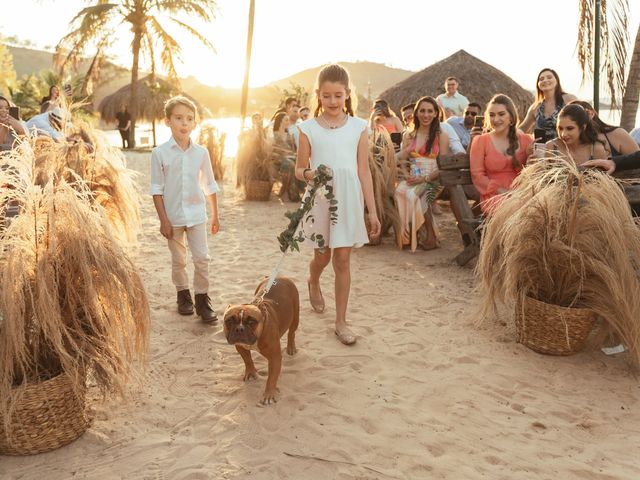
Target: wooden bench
x=455, y=177
x=631, y=190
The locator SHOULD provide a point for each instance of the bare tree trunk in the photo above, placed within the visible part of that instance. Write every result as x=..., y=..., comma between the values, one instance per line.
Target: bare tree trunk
x=245, y=83
x=133, y=99
x=632, y=89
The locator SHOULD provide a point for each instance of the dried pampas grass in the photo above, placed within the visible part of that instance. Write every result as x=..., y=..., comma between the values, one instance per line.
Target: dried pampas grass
x=90, y=158
x=384, y=173
x=213, y=141
x=71, y=300
x=254, y=160
x=565, y=237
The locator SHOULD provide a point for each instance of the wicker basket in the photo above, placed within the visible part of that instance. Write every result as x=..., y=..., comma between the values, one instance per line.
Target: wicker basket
x=48, y=416
x=552, y=329
x=258, y=190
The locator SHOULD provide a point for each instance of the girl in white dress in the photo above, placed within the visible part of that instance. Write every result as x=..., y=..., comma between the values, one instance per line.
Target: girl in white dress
x=335, y=138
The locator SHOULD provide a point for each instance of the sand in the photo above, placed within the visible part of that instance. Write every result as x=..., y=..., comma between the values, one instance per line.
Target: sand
x=423, y=394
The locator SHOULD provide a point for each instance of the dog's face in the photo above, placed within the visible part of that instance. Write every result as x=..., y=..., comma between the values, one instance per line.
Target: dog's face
x=243, y=324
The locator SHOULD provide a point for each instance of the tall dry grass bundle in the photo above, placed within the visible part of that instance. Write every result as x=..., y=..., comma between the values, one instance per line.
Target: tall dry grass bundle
x=568, y=238
x=71, y=300
x=88, y=157
x=213, y=140
x=384, y=172
x=254, y=159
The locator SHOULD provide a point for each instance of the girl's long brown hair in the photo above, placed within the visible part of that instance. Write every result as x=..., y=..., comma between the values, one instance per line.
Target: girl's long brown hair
x=514, y=144
x=338, y=74
x=434, y=128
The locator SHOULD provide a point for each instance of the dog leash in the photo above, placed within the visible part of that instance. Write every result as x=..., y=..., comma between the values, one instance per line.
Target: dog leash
x=270, y=282
x=323, y=176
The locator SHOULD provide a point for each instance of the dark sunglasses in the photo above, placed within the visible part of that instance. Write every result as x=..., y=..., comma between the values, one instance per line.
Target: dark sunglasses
x=473, y=114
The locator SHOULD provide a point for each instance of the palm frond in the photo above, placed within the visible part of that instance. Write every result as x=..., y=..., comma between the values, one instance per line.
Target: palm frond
x=204, y=9
x=195, y=33
x=171, y=50
x=614, y=42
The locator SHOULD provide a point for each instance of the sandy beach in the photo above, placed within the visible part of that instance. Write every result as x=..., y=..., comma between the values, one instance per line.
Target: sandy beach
x=423, y=394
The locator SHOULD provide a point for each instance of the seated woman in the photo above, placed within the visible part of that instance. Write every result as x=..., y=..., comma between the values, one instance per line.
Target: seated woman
x=498, y=156
x=550, y=98
x=617, y=139
x=418, y=164
x=10, y=128
x=284, y=151
x=52, y=100
x=577, y=138
x=383, y=117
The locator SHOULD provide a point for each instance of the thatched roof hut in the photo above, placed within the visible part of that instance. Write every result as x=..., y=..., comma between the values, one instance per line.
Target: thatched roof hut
x=479, y=81
x=150, y=99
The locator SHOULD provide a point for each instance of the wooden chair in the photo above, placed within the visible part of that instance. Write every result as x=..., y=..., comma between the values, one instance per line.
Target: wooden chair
x=455, y=177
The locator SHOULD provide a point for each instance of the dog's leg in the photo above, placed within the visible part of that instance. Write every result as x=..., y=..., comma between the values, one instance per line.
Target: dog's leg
x=275, y=364
x=249, y=368
x=291, y=336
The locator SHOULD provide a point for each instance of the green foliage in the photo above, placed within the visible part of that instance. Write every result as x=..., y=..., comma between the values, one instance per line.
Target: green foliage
x=295, y=90
x=30, y=89
x=291, y=238
x=7, y=72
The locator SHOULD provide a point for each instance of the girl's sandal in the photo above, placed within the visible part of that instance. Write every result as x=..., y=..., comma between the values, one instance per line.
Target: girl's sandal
x=317, y=303
x=346, y=336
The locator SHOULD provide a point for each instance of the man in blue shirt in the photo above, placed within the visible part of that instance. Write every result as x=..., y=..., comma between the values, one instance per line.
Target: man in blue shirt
x=463, y=125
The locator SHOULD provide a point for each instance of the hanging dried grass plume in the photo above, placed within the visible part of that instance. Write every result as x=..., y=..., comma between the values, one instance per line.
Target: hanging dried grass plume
x=71, y=300
x=565, y=237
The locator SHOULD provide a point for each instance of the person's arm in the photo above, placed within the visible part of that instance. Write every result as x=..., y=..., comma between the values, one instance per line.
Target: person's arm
x=477, y=157
x=128, y=125
x=623, y=142
x=529, y=120
x=303, y=172
x=157, y=191
x=16, y=125
x=568, y=98
x=454, y=144
x=366, y=181
x=398, y=123
x=619, y=162
x=210, y=187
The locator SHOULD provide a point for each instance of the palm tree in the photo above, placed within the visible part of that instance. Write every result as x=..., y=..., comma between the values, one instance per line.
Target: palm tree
x=615, y=41
x=95, y=26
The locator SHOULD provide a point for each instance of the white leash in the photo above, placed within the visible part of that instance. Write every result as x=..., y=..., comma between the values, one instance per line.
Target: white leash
x=271, y=281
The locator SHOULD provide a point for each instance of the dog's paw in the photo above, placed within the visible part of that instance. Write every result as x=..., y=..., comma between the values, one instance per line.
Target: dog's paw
x=269, y=397
x=250, y=375
x=291, y=349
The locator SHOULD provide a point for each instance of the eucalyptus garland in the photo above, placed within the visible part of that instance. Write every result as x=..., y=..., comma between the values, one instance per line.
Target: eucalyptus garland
x=291, y=238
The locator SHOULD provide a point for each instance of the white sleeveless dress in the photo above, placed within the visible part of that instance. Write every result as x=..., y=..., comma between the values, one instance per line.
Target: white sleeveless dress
x=337, y=149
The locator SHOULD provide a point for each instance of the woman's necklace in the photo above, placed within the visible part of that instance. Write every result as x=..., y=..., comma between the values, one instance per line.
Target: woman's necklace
x=333, y=126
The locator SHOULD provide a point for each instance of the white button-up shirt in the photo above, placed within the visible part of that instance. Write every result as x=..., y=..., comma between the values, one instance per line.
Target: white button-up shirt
x=182, y=177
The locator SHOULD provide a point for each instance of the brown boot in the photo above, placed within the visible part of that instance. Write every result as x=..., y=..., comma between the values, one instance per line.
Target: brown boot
x=203, y=308
x=185, y=304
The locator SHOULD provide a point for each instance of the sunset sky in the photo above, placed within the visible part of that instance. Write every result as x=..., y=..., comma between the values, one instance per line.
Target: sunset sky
x=411, y=34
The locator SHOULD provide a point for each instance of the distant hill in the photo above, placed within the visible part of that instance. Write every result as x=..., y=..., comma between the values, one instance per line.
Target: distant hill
x=369, y=79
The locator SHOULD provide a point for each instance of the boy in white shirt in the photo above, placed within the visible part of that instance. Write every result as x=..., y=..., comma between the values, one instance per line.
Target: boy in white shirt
x=181, y=175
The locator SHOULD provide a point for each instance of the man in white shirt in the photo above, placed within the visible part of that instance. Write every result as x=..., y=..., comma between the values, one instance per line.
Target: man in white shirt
x=181, y=176
x=452, y=102
x=48, y=124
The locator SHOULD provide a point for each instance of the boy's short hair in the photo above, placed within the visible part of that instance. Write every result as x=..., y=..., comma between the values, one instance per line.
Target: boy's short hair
x=408, y=106
x=173, y=102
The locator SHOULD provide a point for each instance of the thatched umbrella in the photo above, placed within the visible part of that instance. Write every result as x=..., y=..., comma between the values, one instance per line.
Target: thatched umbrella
x=151, y=97
x=479, y=81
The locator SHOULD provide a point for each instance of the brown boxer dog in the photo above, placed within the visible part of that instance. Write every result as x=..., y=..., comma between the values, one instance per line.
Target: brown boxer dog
x=260, y=326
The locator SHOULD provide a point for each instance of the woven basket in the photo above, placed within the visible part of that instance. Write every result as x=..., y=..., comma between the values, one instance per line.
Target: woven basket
x=552, y=329
x=258, y=190
x=48, y=416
